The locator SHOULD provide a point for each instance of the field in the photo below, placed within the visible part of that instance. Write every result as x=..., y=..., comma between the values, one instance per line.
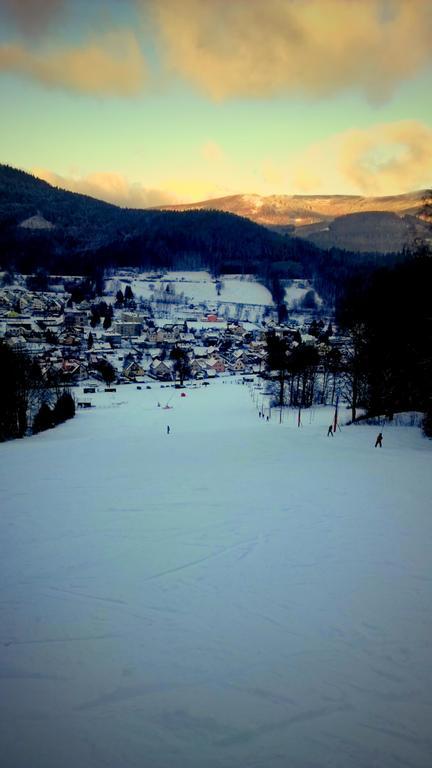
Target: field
x=237, y=593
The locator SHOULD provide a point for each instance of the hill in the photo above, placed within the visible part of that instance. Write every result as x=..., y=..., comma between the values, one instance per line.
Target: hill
x=237, y=588
x=44, y=225
x=340, y=221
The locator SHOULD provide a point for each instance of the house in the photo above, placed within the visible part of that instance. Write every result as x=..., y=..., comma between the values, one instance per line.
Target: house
x=161, y=370
x=197, y=368
x=114, y=339
x=200, y=352
x=74, y=317
x=69, y=340
x=72, y=368
x=155, y=336
x=216, y=364
x=128, y=329
x=133, y=370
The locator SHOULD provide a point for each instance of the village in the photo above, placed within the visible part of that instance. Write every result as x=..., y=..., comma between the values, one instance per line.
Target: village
x=152, y=328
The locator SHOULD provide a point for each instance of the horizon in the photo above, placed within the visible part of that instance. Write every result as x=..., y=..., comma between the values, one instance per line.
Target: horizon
x=323, y=195
x=147, y=104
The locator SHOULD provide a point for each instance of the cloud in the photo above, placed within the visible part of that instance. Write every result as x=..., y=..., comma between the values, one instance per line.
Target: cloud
x=111, y=65
x=111, y=187
x=379, y=160
x=390, y=156
x=31, y=16
x=244, y=48
x=253, y=48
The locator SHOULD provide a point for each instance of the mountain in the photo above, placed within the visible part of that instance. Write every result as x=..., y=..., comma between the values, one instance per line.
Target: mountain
x=363, y=224
x=68, y=233
x=41, y=225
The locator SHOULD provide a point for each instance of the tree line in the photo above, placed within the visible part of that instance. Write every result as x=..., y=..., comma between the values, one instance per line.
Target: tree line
x=382, y=362
x=389, y=321
x=30, y=402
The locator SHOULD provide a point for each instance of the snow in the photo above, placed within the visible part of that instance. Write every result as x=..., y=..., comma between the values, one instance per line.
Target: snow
x=295, y=292
x=237, y=593
x=200, y=287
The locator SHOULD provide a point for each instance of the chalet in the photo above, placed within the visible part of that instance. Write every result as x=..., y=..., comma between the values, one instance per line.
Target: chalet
x=197, y=368
x=134, y=370
x=72, y=368
x=155, y=336
x=216, y=364
x=161, y=370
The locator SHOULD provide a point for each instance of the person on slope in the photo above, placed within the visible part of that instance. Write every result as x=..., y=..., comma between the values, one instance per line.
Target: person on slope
x=378, y=441
x=168, y=430
x=330, y=431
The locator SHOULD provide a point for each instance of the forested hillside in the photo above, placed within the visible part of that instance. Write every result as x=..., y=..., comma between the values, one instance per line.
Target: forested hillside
x=74, y=233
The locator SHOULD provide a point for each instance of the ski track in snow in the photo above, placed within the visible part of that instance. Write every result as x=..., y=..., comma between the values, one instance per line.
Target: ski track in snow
x=236, y=593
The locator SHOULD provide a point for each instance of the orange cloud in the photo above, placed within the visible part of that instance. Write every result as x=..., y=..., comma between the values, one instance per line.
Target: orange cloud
x=318, y=47
x=378, y=160
x=111, y=187
x=112, y=65
x=387, y=157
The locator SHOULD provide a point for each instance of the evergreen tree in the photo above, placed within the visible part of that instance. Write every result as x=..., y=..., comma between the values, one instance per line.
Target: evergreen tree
x=181, y=363
x=107, y=371
x=128, y=294
x=95, y=317
x=44, y=419
x=64, y=408
x=14, y=393
x=277, y=360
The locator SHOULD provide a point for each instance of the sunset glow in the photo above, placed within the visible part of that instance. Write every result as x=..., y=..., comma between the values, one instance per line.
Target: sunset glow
x=148, y=102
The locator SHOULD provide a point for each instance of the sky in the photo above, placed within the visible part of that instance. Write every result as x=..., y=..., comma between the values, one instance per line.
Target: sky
x=149, y=102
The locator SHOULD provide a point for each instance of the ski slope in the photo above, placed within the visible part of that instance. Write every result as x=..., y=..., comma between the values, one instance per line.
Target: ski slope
x=237, y=593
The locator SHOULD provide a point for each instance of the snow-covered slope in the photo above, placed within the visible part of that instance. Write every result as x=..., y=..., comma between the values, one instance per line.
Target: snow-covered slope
x=201, y=287
x=236, y=593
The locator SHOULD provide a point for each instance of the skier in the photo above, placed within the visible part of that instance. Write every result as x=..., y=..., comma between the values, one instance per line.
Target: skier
x=378, y=441
x=330, y=431
x=168, y=430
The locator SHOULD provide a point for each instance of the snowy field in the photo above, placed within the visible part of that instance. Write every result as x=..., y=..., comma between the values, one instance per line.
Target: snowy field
x=236, y=594
x=200, y=287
